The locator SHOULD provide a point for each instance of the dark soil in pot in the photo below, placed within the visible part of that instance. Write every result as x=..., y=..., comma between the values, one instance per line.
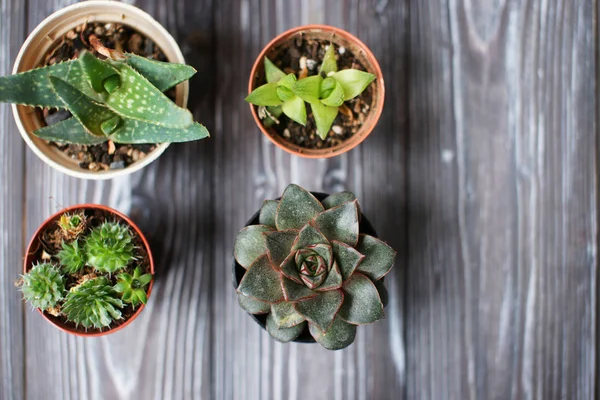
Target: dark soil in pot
x=48, y=242
x=107, y=155
x=352, y=113
x=239, y=271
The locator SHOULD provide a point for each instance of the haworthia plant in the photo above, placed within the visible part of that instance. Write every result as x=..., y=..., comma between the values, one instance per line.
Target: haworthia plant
x=325, y=92
x=119, y=99
x=307, y=266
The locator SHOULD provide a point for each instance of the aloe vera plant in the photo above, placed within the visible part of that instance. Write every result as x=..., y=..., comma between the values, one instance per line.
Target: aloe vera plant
x=119, y=98
x=307, y=265
x=94, y=276
x=325, y=92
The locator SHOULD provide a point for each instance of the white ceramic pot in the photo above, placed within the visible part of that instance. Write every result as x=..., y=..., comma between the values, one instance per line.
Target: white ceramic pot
x=45, y=35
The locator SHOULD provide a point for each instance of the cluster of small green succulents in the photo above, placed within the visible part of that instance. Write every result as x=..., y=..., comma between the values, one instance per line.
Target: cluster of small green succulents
x=325, y=92
x=120, y=98
x=307, y=265
x=91, y=257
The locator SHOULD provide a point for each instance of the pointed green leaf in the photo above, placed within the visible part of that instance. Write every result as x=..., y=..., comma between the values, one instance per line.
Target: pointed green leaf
x=329, y=61
x=267, y=213
x=138, y=99
x=339, y=223
x=110, y=125
x=362, y=304
x=289, y=269
x=137, y=272
x=145, y=279
x=163, y=75
x=250, y=244
x=89, y=113
x=327, y=87
x=253, y=306
x=287, y=82
x=336, y=97
x=324, y=117
x=262, y=282
x=379, y=257
x=135, y=131
x=338, y=199
x=283, y=334
x=141, y=294
x=333, y=280
x=279, y=245
x=353, y=81
x=321, y=309
x=308, y=88
x=273, y=73
x=296, y=208
x=265, y=95
x=285, y=315
x=340, y=335
x=120, y=287
x=346, y=257
x=295, y=109
x=69, y=131
x=309, y=235
x=127, y=294
x=295, y=292
x=96, y=70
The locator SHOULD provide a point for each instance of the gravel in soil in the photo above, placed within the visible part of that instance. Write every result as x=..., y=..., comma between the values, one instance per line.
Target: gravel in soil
x=108, y=155
x=303, y=57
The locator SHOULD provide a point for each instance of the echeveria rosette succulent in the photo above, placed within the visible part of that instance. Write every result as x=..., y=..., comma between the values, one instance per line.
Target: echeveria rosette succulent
x=307, y=264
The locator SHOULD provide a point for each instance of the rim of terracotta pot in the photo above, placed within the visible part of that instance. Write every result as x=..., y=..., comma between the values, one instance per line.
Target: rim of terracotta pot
x=44, y=37
x=362, y=52
x=238, y=272
x=34, y=244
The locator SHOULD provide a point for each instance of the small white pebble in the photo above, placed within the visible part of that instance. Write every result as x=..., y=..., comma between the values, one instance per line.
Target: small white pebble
x=337, y=129
x=341, y=50
x=286, y=133
x=311, y=64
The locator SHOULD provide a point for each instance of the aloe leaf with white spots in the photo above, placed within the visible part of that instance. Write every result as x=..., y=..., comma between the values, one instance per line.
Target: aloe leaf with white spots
x=309, y=262
x=161, y=74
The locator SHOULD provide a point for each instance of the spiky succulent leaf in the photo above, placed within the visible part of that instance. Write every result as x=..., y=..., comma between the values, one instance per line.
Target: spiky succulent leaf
x=253, y=306
x=379, y=257
x=43, y=286
x=353, y=81
x=279, y=244
x=295, y=109
x=346, y=257
x=163, y=75
x=340, y=335
x=265, y=95
x=94, y=303
x=69, y=131
x=321, y=309
x=362, y=304
x=109, y=247
x=339, y=223
x=273, y=73
x=329, y=63
x=283, y=334
x=72, y=257
x=133, y=131
x=296, y=208
x=152, y=106
x=324, y=117
x=285, y=315
x=95, y=70
x=262, y=282
x=267, y=213
x=337, y=199
x=250, y=244
x=133, y=288
x=308, y=89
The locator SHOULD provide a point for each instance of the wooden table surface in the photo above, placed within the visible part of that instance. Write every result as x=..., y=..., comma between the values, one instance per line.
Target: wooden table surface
x=482, y=173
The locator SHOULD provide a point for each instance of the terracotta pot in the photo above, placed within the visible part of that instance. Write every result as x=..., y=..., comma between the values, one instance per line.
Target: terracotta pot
x=341, y=38
x=45, y=36
x=238, y=271
x=34, y=247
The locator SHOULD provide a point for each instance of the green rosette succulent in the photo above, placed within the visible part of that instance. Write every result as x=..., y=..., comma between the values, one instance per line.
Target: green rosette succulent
x=94, y=303
x=72, y=257
x=307, y=265
x=133, y=287
x=109, y=247
x=43, y=286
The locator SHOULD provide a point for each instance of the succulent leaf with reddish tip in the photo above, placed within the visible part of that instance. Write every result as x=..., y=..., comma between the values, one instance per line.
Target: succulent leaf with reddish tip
x=308, y=267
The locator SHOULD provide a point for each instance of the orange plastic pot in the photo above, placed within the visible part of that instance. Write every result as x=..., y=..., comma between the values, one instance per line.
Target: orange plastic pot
x=341, y=38
x=34, y=246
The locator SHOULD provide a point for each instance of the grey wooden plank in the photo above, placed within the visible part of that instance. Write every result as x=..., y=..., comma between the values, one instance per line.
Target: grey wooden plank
x=501, y=278
x=12, y=376
x=162, y=354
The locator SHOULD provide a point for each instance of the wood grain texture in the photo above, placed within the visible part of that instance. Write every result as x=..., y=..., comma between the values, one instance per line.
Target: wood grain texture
x=481, y=173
